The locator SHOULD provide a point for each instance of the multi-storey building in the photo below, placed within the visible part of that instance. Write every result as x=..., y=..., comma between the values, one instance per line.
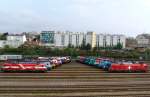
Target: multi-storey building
x=107, y=40
x=3, y=43
x=58, y=39
x=91, y=39
x=16, y=40
x=47, y=38
x=143, y=40
x=17, y=37
x=63, y=39
x=79, y=39
x=122, y=40
x=115, y=39
x=100, y=39
x=73, y=39
x=76, y=39
x=13, y=40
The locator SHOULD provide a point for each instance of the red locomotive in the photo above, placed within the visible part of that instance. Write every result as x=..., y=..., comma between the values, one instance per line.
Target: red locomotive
x=23, y=67
x=128, y=67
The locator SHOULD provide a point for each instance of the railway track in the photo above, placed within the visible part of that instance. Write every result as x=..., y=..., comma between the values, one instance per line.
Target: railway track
x=75, y=80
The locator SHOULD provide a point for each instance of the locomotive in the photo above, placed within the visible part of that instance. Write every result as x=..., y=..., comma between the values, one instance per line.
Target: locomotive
x=23, y=67
x=128, y=67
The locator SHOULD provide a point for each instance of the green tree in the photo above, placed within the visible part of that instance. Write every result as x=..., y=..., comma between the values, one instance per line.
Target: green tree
x=6, y=47
x=88, y=46
x=70, y=45
x=83, y=45
x=118, y=46
x=38, y=37
x=3, y=36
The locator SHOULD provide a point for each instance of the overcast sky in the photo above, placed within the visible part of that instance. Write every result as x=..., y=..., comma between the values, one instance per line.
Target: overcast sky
x=129, y=17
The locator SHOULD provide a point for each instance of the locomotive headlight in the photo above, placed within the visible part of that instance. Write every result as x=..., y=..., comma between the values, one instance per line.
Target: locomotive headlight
x=39, y=67
x=144, y=64
x=129, y=67
x=5, y=66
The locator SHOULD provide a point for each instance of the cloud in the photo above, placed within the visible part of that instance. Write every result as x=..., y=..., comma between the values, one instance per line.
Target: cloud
x=76, y=15
x=23, y=20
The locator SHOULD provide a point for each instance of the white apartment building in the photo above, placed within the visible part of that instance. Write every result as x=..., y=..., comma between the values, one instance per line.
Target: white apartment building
x=2, y=43
x=119, y=39
x=122, y=40
x=13, y=41
x=76, y=39
x=100, y=40
x=143, y=40
x=107, y=40
x=115, y=39
x=20, y=38
x=73, y=39
x=80, y=36
x=91, y=39
x=58, y=39
x=63, y=39
x=66, y=38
